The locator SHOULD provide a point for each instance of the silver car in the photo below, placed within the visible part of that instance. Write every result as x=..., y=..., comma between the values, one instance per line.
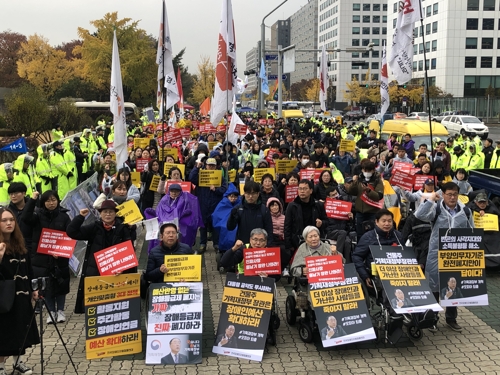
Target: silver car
x=469, y=125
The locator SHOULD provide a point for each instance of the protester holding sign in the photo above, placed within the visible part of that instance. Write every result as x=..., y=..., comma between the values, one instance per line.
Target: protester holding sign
x=132, y=190
x=51, y=216
x=109, y=230
x=447, y=212
x=149, y=195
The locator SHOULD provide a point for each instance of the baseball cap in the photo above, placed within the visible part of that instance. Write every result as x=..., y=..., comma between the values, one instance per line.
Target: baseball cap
x=481, y=197
x=211, y=161
x=174, y=187
x=348, y=180
x=429, y=181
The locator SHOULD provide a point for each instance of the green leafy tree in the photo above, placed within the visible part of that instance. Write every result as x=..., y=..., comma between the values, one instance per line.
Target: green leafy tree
x=69, y=117
x=10, y=43
x=204, y=81
x=186, y=77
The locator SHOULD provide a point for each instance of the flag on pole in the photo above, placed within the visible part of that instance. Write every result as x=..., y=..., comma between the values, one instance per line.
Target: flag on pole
x=384, y=85
x=173, y=118
x=19, y=145
x=205, y=107
x=164, y=61
x=263, y=77
x=232, y=136
x=401, y=57
x=242, y=85
x=117, y=107
x=226, y=71
x=324, y=82
x=180, y=103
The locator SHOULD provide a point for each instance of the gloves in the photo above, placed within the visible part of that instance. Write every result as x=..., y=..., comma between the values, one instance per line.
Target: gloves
x=70, y=174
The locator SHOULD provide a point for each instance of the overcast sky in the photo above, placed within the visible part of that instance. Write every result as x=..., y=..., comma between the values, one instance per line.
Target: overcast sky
x=194, y=24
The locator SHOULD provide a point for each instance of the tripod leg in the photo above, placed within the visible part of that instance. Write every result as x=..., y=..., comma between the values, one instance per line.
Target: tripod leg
x=59, y=334
x=37, y=305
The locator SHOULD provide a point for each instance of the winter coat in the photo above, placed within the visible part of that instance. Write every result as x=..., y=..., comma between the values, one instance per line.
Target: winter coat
x=208, y=199
x=490, y=238
x=248, y=217
x=227, y=238
x=320, y=190
x=409, y=147
x=299, y=260
x=427, y=212
x=362, y=256
x=278, y=221
x=419, y=233
x=97, y=239
x=377, y=194
x=46, y=265
x=344, y=163
x=294, y=220
x=264, y=197
x=26, y=229
x=157, y=257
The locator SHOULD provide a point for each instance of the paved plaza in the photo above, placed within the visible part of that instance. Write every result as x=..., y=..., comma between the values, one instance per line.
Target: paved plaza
x=476, y=350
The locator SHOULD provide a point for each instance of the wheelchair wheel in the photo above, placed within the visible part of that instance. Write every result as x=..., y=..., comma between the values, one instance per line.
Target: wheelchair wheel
x=415, y=333
x=277, y=322
x=305, y=332
x=290, y=310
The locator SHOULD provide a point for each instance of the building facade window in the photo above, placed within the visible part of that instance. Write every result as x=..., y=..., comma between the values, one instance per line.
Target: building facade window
x=366, y=19
x=488, y=24
x=428, y=29
x=376, y=7
x=384, y=7
x=433, y=63
x=384, y=30
x=489, y=5
x=355, y=30
x=356, y=6
x=376, y=30
x=470, y=43
x=354, y=77
x=395, y=7
x=427, y=46
x=487, y=43
x=366, y=30
x=414, y=66
x=375, y=65
x=355, y=42
x=421, y=48
x=472, y=4
x=435, y=8
x=365, y=42
x=434, y=45
x=376, y=19
x=434, y=27
x=421, y=65
x=486, y=61
x=366, y=7
x=472, y=23
x=375, y=54
x=428, y=11
x=470, y=61
x=415, y=49
x=356, y=19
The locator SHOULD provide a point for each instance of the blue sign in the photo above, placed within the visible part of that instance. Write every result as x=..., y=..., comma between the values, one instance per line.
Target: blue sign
x=18, y=145
x=272, y=57
x=275, y=76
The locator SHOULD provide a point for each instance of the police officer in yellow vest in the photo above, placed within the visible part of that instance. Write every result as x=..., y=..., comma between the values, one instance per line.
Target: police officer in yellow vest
x=43, y=169
x=495, y=159
x=6, y=177
x=458, y=159
x=57, y=133
x=474, y=159
x=70, y=158
x=60, y=169
x=22, y=173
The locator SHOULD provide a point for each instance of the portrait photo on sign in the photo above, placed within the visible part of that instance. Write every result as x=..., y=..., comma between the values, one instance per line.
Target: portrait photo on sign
x=174, y=349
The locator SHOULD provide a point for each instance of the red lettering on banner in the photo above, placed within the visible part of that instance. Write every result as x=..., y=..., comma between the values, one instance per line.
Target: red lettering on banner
x=185, y=185
x=365, y=198
x=402, y=166
x=420, y=179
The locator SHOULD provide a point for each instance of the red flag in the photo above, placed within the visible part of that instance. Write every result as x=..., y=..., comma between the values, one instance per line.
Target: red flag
x=205, y=107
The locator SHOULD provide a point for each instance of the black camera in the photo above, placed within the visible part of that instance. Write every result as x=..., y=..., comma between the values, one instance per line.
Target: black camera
x=40, y=283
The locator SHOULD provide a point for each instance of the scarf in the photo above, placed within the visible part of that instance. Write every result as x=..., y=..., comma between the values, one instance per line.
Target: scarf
x=108, y=227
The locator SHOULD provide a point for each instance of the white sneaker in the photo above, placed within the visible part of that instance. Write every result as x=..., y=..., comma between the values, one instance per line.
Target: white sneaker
x=285, y=273
x=22, y=369
x=49, y=319
x=2, y=371
x=61, y=318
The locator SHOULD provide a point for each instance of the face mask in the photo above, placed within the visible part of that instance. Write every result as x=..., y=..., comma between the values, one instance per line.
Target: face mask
x=119, y=199
x=367, y=175
x=305, y=161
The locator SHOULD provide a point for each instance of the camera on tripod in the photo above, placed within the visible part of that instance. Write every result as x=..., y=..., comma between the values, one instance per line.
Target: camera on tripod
x=40, y=283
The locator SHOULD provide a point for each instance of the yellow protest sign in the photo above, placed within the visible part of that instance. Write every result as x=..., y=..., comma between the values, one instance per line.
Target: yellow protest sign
x=211, y=145
x=463, y=198
x=130, y=212
x=285, y=166
x=154, y=183
x=171, y=152
x=259, y=172
x=232, y=174
x=242, y=188
x=208, y=178
x=168, y=166
x=489, y=222
x=141, y=142
x=183, y=268
x=347, y=146
x=135, y=177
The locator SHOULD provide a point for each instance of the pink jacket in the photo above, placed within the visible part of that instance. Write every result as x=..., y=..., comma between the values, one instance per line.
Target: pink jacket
x=278, y=219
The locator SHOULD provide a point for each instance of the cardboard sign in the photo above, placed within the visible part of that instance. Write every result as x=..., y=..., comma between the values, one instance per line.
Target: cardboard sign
x=55, y=242
x=461, y=264
x=141, y=142
x=183, y=268
x=140, y=164
x=403, y=281
x=155, y=181
x=291, y=192
x=347, y=146
x=186, y=186
x=337, y=209
x=175, y=312
x=208, y=178
x=116, y=259
x=403, y=180
x=265, y=260
x=112, y=316
x=402, y=167
x=341, y=312
x=245, y=311
x=488, y=222
x=259, y=172
x=130, y=212
x=420, y=179
x=168, y=166
x=135, y=177
x=324, y=268
x=285, y=166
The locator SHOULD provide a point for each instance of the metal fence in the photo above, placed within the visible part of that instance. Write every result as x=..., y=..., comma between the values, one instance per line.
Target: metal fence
x=487, y=108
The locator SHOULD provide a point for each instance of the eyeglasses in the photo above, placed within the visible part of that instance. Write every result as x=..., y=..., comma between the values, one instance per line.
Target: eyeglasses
x=260, y=240
x=452, y=195
x=170, y=233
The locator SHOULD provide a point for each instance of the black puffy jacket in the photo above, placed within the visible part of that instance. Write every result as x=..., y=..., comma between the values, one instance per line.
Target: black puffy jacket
x=157, y=257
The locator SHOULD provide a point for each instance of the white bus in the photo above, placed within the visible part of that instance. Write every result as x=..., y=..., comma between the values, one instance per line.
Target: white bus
x=97, y=108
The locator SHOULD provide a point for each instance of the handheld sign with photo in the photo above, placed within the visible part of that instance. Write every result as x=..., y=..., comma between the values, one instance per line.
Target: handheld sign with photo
x=285, y=166
x=259, y=172
x=244, y=318
x=175, y=313
x=461, y=264
x=324, y=268
x=141, y=163
x=56, y=243
x=347, y=146
x=155, y=181
x=182, y=268
x=403, y=180
x=403, y=280
x=207, y=178
x=291, y=192
x=337, y=209
x=112, y=316
x=341, y=312
x=265, y=260
x=116, y=259
x=130, y=212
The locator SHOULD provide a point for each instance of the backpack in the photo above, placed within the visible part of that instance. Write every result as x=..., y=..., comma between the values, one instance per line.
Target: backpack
x=438, y=212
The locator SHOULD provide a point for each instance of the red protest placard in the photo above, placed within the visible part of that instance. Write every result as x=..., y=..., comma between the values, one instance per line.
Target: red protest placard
x=265, y=260
x=307, y=174
x=186, y=133
x=56, y=242
x=221, y=128
x=365, y=198
x=336, y=209
x=402, y=166
x=262, y=121
x=185, y=185
x=324, y=268
x=209, y=128
x=140, y=163
x=291, y=192
x=240, y=129
x=116, y=259
x=196, y=124
x=172, y=136
x=420, y=179
x=403, y=180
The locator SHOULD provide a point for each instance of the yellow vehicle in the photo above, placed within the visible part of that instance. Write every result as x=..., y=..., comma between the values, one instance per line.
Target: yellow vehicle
x=292, y=113
x=419, y=130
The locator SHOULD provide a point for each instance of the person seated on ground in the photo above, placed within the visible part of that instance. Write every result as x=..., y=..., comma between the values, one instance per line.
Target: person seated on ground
x=221, y=214
x=268, y=190
x=169, y=245
x=419, y=233
x=312, y=246
x=325, y=181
